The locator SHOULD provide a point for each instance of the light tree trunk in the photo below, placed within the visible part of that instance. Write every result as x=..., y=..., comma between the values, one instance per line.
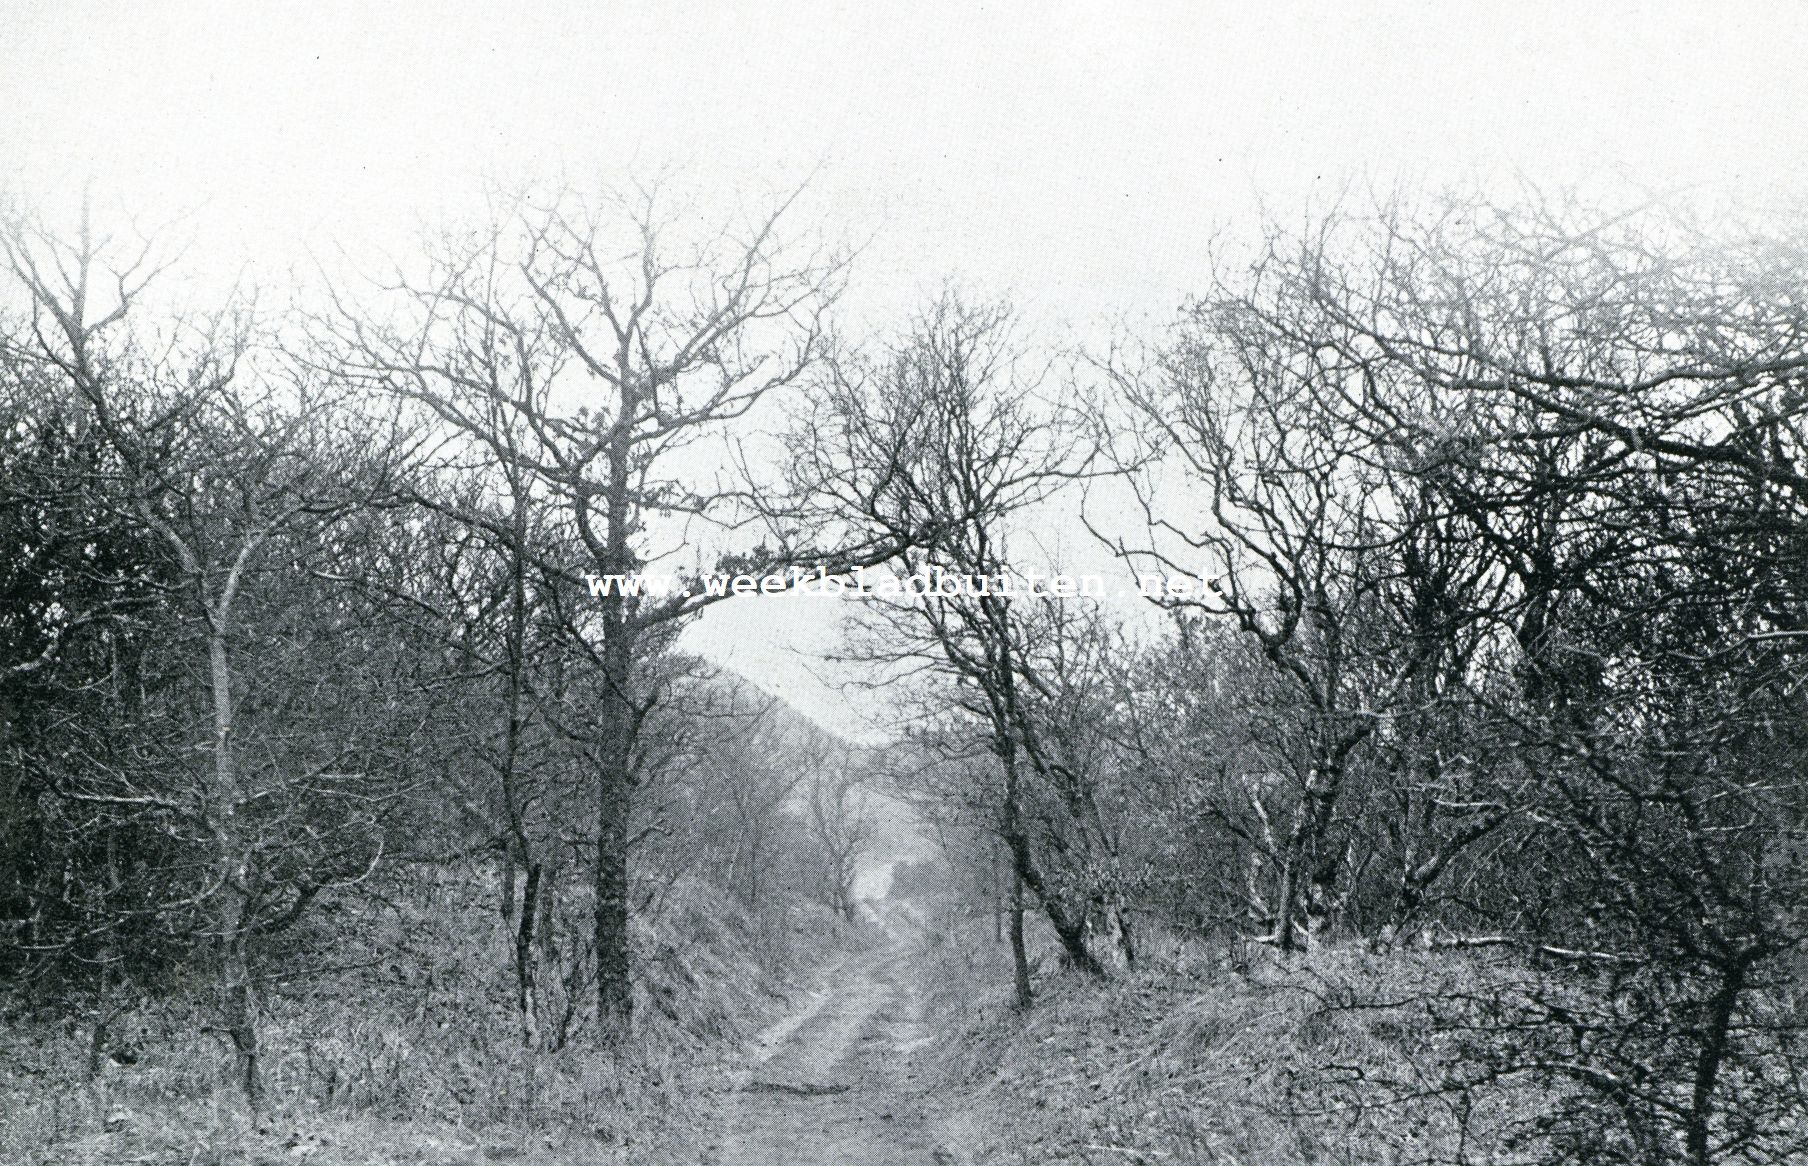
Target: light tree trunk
x=237, y=991
x=518, y=854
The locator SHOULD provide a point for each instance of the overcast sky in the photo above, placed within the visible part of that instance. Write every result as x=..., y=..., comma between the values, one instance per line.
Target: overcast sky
x=1078, y=157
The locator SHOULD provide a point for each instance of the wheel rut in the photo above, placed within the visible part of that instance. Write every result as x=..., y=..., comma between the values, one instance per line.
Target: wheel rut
x=838, y=1082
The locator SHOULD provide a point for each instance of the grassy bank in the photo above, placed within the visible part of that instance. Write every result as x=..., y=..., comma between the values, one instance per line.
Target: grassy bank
x=409, y=1049
x=1202, y=1056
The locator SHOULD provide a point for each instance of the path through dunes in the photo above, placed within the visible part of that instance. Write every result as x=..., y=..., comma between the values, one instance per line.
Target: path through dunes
x=837, y=1083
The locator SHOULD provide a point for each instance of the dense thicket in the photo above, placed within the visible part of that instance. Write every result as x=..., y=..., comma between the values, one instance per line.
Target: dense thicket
x=1500, y=648
x=1503, y=511
x=296, y=615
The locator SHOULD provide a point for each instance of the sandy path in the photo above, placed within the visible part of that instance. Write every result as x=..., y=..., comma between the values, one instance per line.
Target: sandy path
x=837, y=1084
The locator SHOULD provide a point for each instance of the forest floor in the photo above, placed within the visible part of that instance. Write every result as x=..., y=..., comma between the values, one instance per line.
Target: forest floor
x=901, y=1047
x=855, y=1073
x=843, y=1079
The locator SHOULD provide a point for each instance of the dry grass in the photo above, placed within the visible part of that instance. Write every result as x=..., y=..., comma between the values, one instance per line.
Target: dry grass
x=415, y=1054
x=1200, y=1057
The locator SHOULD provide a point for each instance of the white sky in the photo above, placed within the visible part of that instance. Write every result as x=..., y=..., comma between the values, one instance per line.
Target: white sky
x=1076, y=156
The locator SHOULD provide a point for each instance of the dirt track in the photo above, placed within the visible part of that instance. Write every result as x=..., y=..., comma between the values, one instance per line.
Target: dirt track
x=837, y=1083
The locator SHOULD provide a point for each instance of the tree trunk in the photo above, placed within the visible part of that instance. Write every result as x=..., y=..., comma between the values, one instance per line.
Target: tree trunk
x=1070, y=930
x=998, y=898
x=1716, y=1036
x=614, y=963
x=519, y=849
x=239, y=1006
x=1014, y=843
x=615, y=784
x=526, y=1001
x=237, y=991
x=1020, y=960
x=1286, y=900
x=614, y=959
x=1126, y=938
x=1305, y=844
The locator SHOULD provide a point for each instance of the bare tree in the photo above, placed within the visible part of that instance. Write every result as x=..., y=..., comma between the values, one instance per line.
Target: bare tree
x=237, y=474
x=1300, y=554
x=1523, y=482
x=841, y=823
x=938, y=444
x=607, y=337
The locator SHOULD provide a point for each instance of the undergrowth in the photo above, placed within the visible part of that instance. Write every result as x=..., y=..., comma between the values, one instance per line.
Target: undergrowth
x=407, y=1047
x=1213, y=1056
